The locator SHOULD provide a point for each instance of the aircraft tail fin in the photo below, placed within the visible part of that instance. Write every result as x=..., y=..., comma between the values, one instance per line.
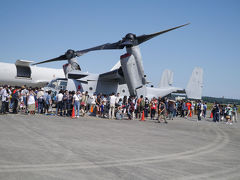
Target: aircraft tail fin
x=166, y=79
x=195, y=84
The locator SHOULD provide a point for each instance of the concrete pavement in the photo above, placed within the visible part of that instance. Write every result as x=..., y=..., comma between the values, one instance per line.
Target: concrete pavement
x=49, y=147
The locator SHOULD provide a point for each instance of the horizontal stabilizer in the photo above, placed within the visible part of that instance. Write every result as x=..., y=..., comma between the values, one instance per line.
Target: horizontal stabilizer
x=160, y=92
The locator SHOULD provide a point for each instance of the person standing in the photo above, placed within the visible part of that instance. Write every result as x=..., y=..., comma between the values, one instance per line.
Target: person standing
x=31, y=102
x=48, y=102
x=142, y=106
x=104, y=106
x=112, y=102
x=98, y=105
x=154, y=105
x=24, y=94
x=117, y=98
x=130, y=107
x=216, y=113
x=171, y=106
x=5, y=96
x=69, y=103
x=182, y=108
x=59, y=99
x=124, y=104
x=138, y=110
x=92, y=103
x=15, y=98
x=40, y=100
x=204, y=110
x=84, y=102
x=162, y=112
x=188, y=107
x=1, y=88
x=229, y=114
x=146, y=108
x=76, y=103
x=65, y=102
x=199, y=111
x=234, y=113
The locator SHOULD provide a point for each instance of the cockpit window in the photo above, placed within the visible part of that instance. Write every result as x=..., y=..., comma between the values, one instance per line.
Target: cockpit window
x=63, y=83
x=53, y=84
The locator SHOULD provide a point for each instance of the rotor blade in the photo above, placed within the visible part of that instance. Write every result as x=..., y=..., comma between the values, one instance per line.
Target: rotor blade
x=144, y=37
x=60, y=58
x=116, y=45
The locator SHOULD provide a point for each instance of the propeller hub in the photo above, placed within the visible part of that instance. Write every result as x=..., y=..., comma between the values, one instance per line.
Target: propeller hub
x=70, y=54
x=130, y=37
x=129, y=40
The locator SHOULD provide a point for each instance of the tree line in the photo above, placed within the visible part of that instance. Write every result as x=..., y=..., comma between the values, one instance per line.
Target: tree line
x=220, y=100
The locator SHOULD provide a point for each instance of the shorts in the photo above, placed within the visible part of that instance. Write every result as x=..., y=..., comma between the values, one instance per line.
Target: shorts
x=31, y=107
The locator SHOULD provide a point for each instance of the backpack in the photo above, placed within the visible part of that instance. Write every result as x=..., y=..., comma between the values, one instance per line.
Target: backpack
x=15, y=95
x=199, y=106
x=142, y=103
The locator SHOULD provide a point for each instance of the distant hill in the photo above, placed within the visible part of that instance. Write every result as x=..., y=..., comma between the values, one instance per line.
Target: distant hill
x=221, y=100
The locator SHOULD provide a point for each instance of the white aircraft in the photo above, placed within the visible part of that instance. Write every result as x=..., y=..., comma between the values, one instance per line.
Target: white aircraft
x=21, y=73
x=126, y=77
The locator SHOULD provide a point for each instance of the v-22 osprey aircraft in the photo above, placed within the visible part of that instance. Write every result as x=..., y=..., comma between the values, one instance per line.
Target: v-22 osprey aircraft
x=126, y=78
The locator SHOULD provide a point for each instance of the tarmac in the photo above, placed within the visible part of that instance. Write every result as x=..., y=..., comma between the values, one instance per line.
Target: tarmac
x=40, y=147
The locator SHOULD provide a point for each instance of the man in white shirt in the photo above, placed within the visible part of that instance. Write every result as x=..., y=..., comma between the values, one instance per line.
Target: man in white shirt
x=5, y=96
x=112, y=101
x=92, y=102
x=59, y=102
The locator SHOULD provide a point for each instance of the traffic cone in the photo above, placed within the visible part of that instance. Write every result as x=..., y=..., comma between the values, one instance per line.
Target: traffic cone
x=211, y=115
x=91, y=109
x=143, y=117
x=73, y=113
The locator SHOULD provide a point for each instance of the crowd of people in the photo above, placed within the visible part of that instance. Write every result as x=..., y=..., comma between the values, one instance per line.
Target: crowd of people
x=113, y=106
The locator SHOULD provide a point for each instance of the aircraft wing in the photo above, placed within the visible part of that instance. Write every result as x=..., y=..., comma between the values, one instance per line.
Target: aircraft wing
x=77, y=74
x=21, y=62
x=115, y=75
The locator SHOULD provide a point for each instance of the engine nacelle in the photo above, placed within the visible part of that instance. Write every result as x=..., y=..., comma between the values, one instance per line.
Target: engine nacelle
x=132, y=76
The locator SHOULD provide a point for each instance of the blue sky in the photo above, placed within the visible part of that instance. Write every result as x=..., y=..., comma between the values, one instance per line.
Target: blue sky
x=40, y=30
